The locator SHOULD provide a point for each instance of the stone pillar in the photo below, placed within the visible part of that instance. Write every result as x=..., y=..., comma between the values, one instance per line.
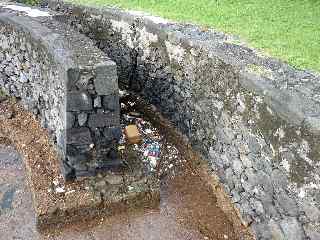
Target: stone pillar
x=92, y=121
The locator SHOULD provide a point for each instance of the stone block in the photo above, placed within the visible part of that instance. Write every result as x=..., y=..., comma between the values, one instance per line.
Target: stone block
x=78, y=101
x=76, y=158
x=67, y=171
x=115, y=163
x=79, y=136
x=113, y=133
x=73, y=77
x=106, y=81
x=287, y=204
x=103, y=120
x=111, y=102
x=70, y=120
x=97, y=102
x=292, y=228
x=82, y=118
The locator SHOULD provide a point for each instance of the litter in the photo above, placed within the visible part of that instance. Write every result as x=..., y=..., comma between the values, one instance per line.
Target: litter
x=60, y=190
x=152, y=150
x=148, y=131
x=134, y=114
x=127, y=117
x=133, y=134
x=121, y=148
x=153, y=162
x=123, y=93
x=131, y=103
x=150, y=145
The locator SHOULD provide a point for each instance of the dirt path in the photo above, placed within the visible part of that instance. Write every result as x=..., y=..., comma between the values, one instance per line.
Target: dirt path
x=188, y=208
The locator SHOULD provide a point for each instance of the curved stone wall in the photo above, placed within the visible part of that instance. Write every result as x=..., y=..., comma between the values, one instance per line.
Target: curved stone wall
x=255, y=119
x=67, y=82
x=25, y=62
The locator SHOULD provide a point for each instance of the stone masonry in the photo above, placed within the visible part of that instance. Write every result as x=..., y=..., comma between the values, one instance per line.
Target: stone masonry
x=255, y=119
x=65, y=81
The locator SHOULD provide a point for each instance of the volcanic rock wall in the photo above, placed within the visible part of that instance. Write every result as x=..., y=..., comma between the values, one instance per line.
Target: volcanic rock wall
x=67, y=82
x=255, y=119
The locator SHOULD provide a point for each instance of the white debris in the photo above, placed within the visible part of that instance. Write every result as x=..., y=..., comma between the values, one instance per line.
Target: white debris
x=55, y=182
x=60, y=190
x=148, y=131
x=123, y=93
x=131, y=103
x=128, y=117
x=153, y=161
x=130, y=188
x=31, y=12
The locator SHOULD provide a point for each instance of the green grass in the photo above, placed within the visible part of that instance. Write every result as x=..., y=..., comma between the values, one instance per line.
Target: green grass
x=286, y=29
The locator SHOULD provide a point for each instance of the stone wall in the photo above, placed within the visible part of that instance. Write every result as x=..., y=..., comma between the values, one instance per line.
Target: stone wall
x=67, y=82
x=255, y=119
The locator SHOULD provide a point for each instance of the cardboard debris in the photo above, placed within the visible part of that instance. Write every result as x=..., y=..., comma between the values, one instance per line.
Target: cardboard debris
x=132, y=134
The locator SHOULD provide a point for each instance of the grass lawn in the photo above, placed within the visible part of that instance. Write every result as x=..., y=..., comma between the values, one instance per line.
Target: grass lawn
x=286, y=29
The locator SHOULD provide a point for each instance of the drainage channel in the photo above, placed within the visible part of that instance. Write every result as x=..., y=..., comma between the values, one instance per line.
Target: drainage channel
x=188, y=206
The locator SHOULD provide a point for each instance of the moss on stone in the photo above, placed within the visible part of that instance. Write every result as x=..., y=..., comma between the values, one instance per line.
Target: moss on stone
x=2, y=93
x=30, y=2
